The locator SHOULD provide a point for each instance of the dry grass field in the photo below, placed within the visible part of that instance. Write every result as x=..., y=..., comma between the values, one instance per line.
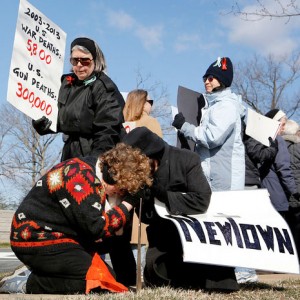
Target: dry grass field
x=277, y=290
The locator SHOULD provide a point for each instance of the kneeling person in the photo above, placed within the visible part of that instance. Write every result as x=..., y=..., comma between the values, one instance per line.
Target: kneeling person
x=61, y=225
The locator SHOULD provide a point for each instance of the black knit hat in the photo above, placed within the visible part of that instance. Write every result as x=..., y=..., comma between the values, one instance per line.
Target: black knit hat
x=147, y=141
x=222, y=70
x=275, y=114
x=87, y=43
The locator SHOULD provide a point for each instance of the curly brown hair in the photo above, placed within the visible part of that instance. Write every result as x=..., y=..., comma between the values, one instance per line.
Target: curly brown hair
x=128, y=167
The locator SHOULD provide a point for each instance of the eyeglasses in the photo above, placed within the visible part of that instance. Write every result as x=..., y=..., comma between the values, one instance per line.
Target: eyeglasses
x=210, y=78
x=85, y=61
x=150, y=102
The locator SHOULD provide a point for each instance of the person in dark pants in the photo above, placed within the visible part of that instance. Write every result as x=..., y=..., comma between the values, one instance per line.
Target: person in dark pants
x=64, y=224
x=178, y=182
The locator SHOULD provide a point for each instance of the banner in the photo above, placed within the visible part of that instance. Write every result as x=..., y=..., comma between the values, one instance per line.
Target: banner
x=239, y=229
x=36, y=65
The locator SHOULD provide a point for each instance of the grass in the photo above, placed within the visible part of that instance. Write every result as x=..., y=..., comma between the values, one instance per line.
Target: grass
x=4, y=245
x=281, y=290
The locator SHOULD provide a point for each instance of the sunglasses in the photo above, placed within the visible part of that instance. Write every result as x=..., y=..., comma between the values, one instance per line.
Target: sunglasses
x=210, y=78
x=85, y=61
x=150, y=102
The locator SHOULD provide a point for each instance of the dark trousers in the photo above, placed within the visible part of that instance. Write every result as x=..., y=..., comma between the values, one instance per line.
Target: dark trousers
x=293, y=220
x=165, y=265
x=64, y=271
x=57, y=272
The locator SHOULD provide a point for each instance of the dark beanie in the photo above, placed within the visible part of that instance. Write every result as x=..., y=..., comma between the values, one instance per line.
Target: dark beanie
x=275, y=114
x=222, y=70
x=147, y=141
x=87, y=43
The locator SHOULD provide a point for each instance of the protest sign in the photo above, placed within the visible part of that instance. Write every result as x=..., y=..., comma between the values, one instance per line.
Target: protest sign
x=261, y=127
x=36, y=65
x=129, y=126
x=239, y=229
x=190, y=104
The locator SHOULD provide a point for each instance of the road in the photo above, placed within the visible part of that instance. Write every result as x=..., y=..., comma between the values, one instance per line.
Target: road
x=8, y=260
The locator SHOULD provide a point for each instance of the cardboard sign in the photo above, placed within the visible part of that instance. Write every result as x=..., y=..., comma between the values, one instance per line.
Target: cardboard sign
x=36, y=65
x=239, y=229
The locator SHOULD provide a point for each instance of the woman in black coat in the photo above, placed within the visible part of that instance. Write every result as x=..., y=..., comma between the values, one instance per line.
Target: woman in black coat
x=181, y=185
x=90, y=106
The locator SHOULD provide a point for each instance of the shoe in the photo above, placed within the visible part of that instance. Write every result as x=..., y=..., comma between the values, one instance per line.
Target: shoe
x=15, y=283
x=245, y=275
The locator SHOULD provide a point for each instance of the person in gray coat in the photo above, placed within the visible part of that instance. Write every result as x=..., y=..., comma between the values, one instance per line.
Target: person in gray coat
x=277, y=176
x=292, y=139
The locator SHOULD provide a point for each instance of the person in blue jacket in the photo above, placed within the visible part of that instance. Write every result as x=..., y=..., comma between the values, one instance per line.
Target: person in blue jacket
x=218, y=137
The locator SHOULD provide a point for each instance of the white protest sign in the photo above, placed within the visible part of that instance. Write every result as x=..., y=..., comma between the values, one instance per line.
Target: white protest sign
x=261, y=127
x=129, y=126
x=36, y=65
x=239, y=229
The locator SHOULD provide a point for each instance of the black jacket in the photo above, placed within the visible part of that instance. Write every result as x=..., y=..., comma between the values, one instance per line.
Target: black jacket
x=255, y=155
x=180, y=172
x=293, y=145
x=90, y=114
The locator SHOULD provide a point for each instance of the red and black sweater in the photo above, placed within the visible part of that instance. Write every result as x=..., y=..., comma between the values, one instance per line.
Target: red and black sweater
x=65, y=207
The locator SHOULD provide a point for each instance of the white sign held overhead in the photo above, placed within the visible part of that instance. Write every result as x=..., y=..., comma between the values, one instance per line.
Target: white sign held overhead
x=36, y=64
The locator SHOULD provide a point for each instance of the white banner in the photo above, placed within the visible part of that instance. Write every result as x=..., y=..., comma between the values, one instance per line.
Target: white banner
x=36, y=65
x=239, y=229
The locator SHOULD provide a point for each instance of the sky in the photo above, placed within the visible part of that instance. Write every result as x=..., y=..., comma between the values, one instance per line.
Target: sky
x=173, y=41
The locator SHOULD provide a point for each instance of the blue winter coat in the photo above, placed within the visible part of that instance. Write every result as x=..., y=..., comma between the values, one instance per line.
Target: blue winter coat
x=219, y=142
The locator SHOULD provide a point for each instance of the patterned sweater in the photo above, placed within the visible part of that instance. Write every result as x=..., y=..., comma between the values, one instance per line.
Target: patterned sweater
x=65, y=207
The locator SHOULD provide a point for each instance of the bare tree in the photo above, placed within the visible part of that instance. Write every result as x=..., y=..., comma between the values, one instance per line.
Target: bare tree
x=26, y=155
x=268, y=82
x=162, y=108
x=279, y=9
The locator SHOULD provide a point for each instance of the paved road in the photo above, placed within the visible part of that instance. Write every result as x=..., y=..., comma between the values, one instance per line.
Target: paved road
x=8, y=261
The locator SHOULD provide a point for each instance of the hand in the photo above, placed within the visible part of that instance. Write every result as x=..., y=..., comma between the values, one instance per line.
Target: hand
x=294, y=203
x=273, y=143
x=134, y=199
x=42, y=125
x=178, y=121
x=158, y=191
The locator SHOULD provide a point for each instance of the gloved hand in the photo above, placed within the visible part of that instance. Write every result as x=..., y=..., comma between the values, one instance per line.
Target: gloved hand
x=159, y=191
x=296, y=196
x=273, y=143
x=134, y=199
x=178, y=121
x=42, y=125
x=294, y=203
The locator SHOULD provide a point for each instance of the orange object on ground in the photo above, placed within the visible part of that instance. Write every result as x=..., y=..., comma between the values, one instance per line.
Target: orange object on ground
x=98, y=275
